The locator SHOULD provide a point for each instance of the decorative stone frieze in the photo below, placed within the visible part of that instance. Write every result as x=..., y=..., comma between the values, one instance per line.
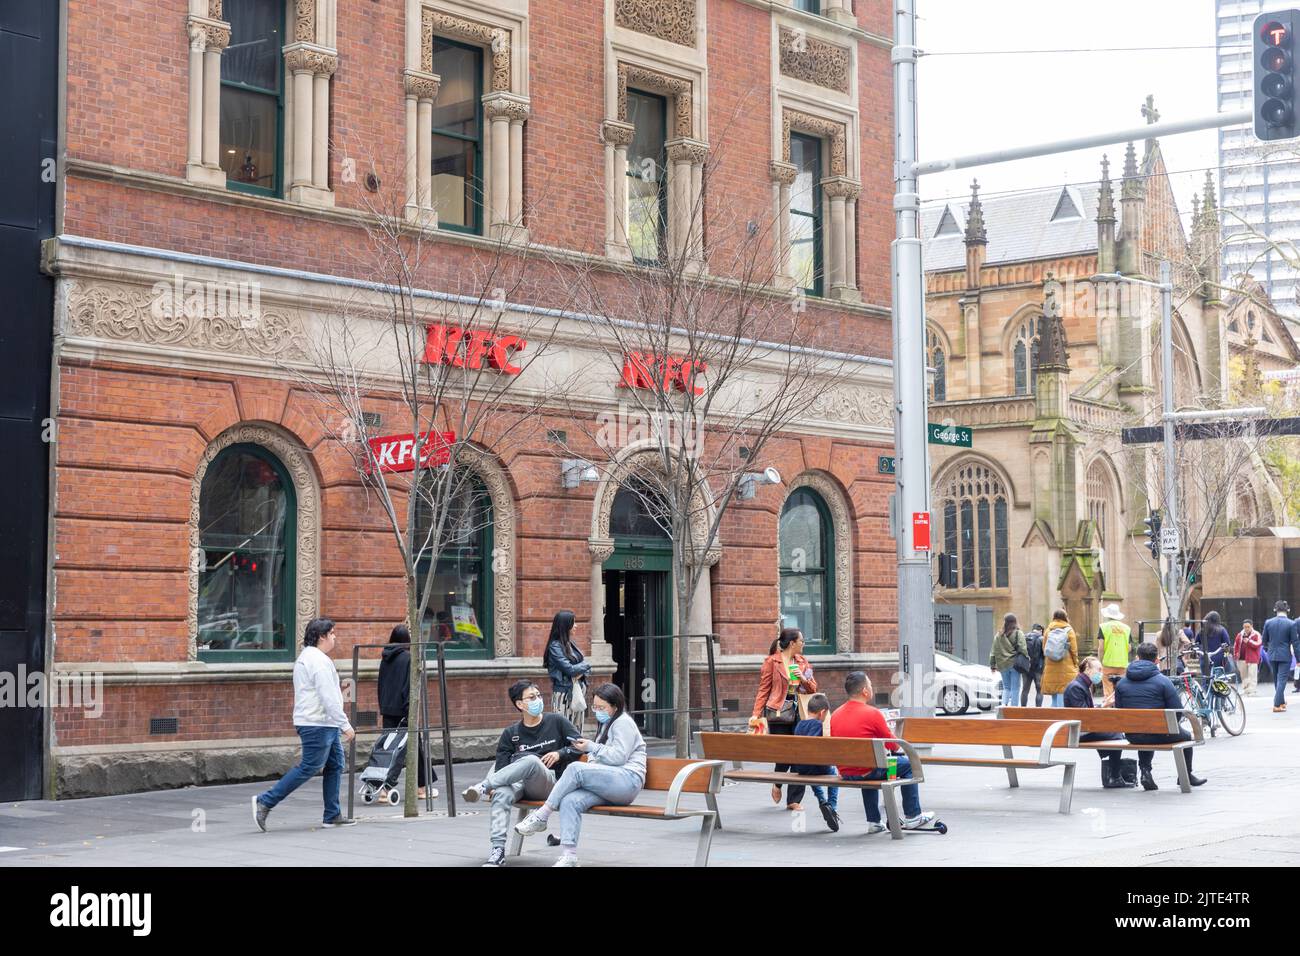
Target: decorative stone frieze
x=814, y=60
x=671, y=20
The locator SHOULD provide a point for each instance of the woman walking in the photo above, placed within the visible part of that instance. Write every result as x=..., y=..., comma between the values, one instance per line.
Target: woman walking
x=786, y=674
x=568, y=670
x=613, y=774
x=1034, y=641
x=1061, y=650
x=1007, y=644
x=395, y=698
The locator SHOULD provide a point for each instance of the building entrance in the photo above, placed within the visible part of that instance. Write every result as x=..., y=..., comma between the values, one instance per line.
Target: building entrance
x=638, y=604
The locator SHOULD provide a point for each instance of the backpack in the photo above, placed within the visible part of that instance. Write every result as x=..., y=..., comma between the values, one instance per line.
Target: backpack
x=1034, y=644
x=1057, y=644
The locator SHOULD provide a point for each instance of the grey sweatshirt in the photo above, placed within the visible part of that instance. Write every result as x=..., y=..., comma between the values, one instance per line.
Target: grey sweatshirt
x=623, y=747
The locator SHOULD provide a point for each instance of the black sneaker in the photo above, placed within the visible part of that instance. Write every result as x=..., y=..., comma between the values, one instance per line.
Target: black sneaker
x=1148, y=782
x=497, y=857
x=830, y=816
x=260, y=812
x=341, y=822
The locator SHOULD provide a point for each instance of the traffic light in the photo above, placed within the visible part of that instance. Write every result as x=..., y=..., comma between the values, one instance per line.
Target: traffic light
x=1193, y=560
x=947, y=570
x=1275, y=75
x=1152, y=521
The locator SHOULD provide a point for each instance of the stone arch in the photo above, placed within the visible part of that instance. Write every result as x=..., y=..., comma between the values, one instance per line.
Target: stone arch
x=504, y=549
x=295, y=458
x=975, y=458
x=837, y=502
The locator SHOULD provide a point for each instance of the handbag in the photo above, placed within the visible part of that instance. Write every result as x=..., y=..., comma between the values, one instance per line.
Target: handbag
x=1128, y=775
x=787, y=716
x=1022, y=663
x=578, y=697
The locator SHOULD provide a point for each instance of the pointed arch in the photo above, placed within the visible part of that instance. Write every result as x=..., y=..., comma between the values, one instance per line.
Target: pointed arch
x=973, y=498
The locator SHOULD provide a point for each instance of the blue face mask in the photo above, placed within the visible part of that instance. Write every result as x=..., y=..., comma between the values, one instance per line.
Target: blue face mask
x=535, y=707
x=602, y=716
x=1096, y=678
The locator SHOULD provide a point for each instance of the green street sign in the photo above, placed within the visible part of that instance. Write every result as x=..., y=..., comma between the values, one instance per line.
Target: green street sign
x=885, y=465
x=954, y=436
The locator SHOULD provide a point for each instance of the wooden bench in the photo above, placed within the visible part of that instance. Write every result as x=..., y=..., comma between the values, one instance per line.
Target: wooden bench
x=663, y=774
x=815, y=751
x=1095, y=720
x=1043, y=734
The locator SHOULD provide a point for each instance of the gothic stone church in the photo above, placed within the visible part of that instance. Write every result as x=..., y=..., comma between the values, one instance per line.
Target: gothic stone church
x=1046, y=367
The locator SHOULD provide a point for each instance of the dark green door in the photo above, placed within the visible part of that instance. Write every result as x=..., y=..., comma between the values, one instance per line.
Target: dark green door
x=638, y=604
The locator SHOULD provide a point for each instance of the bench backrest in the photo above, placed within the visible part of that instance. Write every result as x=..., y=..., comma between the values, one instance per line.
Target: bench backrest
x=787, y=748
x=1004, y=733
x=1101, y=719
x=660, y=771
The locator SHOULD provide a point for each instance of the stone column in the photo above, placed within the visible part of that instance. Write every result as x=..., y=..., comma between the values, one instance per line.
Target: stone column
x=783, y=177
x=601, y=652
x=307, y=122
x=841, y=247
x=301, y=122
x=194, y=153
x=840, y=11
x=320, y=127
x=218, y=38
x=617, y=137
x=516, y=171
x=686, y=159
x=506, y=112
x=421, y=91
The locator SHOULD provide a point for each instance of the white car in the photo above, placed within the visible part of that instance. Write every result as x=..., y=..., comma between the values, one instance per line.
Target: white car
x=958, y=684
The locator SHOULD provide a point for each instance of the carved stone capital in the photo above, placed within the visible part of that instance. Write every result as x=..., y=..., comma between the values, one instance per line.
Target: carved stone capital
x=687, y=150
x=783, y=173
x=840, y=187
x=601, y=548
x=306, y=58
x=616, y=133
x=422, y=85
x=509, y=106
x=215, y=34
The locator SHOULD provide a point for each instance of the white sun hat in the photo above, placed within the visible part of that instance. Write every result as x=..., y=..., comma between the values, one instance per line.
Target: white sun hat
x=1111, y=612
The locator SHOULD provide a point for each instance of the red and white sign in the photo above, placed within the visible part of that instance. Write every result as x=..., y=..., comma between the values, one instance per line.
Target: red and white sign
x=395, y=453
x=466, y=348
x=647, y=370
x=920, y=531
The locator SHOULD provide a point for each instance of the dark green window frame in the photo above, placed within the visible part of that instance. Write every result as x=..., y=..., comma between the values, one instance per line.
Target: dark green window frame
x=827, y=570
x=288, y=598
x=661, y=167
x=475, y=185
x=809, y=6
x=819, y=265
x=277, y=187
x=485, y=604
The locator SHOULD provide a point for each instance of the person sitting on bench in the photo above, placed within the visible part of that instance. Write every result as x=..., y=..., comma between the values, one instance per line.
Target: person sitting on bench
x=856, y=717
x=1144, y=687
x=1079, y=694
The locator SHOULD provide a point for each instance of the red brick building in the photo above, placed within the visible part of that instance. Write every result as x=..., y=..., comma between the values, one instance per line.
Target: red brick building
x=240, y=146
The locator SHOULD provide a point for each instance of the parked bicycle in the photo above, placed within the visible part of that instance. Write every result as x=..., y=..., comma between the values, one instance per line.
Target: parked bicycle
x=1211, y=698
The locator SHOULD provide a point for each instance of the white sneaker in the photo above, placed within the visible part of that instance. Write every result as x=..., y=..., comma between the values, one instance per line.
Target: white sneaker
x=915, y=823
x=533, y=823
x=497, y=857
x=566, y=859
x=876, y=828
x=474, y=794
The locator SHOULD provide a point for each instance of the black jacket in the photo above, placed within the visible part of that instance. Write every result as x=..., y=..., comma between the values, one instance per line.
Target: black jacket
x=1034, y=645
x=562, y=670
x=1280, y=641
x=395, y=680
x=1079, y=693
x=1143, y=686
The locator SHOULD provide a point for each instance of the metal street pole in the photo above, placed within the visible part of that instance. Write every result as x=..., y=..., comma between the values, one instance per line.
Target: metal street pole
x=1173, y=584
x=912, y=467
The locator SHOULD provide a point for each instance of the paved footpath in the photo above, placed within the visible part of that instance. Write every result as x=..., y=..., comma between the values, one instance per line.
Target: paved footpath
x=1254, y=781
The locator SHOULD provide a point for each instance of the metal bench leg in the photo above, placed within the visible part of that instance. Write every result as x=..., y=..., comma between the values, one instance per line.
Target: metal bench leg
x=712, y=800
x=1067, y=788
x=516, y=844
x=1012, y=779
x=706, y=840
x=1184, y=778
x=890, y=797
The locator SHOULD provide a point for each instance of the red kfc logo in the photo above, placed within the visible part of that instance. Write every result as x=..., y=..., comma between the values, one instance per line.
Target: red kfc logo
x=646, y=370
x=462, y=348
x=396, y=453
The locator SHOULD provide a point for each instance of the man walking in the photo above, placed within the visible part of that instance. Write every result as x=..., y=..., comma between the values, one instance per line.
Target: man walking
x=1280, y=641
x=321, y=723
x=1144, y=687
x=1116, y=648
x=1245, y=651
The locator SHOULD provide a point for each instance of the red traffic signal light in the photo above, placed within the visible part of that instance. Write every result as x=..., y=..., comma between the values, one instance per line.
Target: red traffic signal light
x=1274, y=33
x=1274, y=86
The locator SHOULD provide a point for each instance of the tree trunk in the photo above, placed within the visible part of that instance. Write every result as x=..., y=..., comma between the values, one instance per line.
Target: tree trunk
x=682, y=685
x=409, y=798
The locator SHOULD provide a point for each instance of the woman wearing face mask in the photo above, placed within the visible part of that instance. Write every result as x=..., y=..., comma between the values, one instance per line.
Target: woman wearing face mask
x=1079, y=694
x=786, y=674
x=613, y=774
x=567, y=669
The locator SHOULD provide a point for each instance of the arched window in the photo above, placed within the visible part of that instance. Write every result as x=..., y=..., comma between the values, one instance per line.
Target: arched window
x=247, y=523
x=639, y=511
x=1024, y=354
x=460, y=601
x=806, y=541
x=975, y=526
x=1099, y=503
x=936, y=357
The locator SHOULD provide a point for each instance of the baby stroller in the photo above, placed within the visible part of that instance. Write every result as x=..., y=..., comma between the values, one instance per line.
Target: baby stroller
x=386, y=760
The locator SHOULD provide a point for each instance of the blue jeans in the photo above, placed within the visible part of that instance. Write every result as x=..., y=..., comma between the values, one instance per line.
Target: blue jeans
x=796, y=791
x=585, y=785
x=1010, y=687
x=322, y=748
x=911, y=792
x=1055, y=700
x=1280, y=677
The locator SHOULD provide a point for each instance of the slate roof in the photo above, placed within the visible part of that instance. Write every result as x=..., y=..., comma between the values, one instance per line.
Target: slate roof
x=1019, y=226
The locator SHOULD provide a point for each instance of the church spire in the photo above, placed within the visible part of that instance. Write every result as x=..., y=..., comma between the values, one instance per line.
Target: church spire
x=1210, y=205
x=975, y=231
x=1132, y=188
x=1106, y=196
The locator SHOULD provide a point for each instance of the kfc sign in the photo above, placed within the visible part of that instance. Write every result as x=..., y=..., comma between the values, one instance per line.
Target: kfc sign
x=397, y=452
x=462, y=348
x=647, y=370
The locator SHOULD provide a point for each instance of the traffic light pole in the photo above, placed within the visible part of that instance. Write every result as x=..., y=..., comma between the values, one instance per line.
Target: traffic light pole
x=1173, y=575
x=912, y=471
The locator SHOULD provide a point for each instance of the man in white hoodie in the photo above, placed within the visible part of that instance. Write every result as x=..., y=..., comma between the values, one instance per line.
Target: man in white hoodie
x=321, y=724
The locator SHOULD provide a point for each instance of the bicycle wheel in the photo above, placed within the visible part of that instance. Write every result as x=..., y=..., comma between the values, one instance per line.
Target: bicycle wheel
x=1232, y=712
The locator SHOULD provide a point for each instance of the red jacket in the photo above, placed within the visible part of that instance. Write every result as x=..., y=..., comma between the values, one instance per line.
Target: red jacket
x=1246, y=649
x=774, y=683
x=853, y=718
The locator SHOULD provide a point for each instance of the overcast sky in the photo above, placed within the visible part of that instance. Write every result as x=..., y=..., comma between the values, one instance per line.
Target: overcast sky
x=974, y=103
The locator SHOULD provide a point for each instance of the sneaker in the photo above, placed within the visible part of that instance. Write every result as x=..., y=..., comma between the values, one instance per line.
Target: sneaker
x=873, y=828
x=341, y=822
x=566, y=859
x=533, y=823
x=1148, y=781
x=1194, y=780
x=260, y=813
x=830, y=816
x=474, y=794
x=425, y=792
x=497, y=857
x=918, y=821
